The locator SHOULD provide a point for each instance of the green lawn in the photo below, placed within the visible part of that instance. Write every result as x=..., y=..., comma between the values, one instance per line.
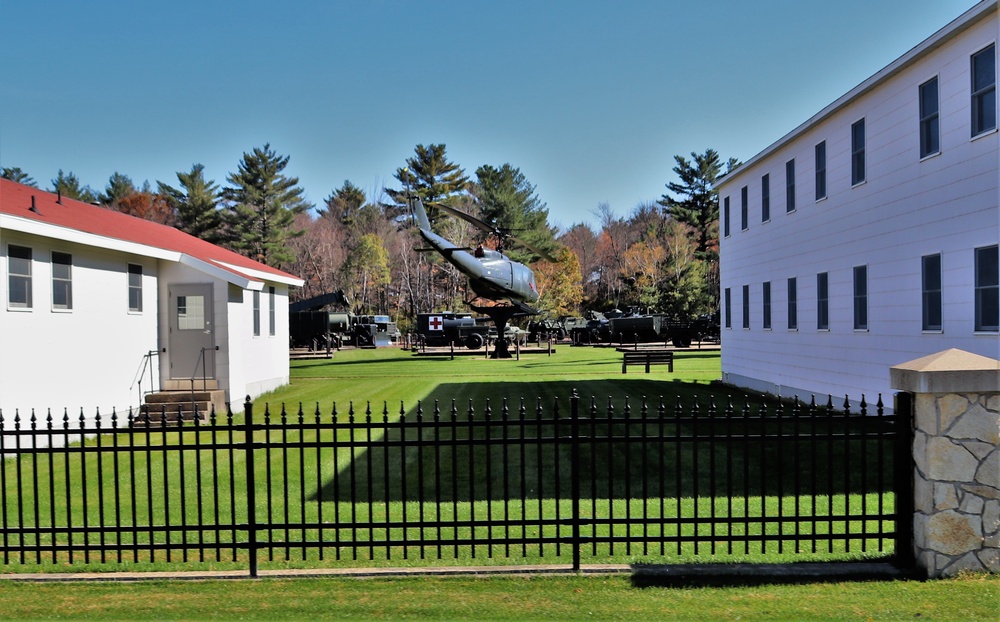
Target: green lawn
x=181, y=486
x=971, y=598
x=382, y=380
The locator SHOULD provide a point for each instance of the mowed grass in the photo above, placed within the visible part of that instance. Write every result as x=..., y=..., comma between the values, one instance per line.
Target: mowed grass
x=383, y=384
x=389, y=377
x=966, y=598
x=382, y=380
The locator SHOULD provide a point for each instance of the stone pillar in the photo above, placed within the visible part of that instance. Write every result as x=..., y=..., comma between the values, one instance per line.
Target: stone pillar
x=956, y=454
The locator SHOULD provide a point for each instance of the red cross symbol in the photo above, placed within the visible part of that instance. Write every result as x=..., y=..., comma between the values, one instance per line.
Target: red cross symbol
x=435, y=322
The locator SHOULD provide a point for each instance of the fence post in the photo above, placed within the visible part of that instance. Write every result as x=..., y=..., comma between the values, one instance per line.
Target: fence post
x=903, y=466
x=574, y=402
x=251, y=487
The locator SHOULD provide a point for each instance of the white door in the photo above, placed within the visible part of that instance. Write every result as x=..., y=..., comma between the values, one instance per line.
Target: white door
x=191, y=347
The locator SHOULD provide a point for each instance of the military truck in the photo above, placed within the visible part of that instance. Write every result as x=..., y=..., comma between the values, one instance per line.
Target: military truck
x=446, y=327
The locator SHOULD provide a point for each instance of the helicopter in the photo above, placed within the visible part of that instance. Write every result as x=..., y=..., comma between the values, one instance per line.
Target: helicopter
x=492, y=275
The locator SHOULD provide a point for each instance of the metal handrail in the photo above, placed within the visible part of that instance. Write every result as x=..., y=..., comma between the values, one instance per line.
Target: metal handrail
x=204, y=374
x=140, y=373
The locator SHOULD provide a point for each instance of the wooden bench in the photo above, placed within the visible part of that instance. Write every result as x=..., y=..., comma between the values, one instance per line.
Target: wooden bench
x=647, y=358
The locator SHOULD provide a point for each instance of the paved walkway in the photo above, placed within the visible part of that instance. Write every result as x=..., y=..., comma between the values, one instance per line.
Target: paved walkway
x=206, y=575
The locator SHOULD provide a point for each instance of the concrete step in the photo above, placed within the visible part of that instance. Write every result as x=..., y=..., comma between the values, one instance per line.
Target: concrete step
x=186, y=385
x=168, y=408
x=158, y=416
x=178, y=397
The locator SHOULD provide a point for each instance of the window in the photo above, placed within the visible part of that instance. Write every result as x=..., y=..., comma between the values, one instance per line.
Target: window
x=984, y=91
x=987, y=289
x=729, y=308
x=861, y=298
x=191, y=313
x=858, y=152
x=793, y=304
x=822, y=301
x=765, y=198
x=256, y=314
x=134, y=288
x=744, y=213
x=725, y=217
x=18, y=277
x=271, y=319
x=62, y=280
x=765, y=297
x=790, y=186
x=821, y=171
x=746, y=306
x=930, y=139
x=931, y=279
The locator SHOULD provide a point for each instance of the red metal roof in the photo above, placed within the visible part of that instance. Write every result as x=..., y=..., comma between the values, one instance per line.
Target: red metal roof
x=16, y=200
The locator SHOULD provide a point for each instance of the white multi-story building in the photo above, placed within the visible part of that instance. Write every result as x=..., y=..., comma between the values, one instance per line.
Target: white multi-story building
x=94, y=303
x=867, y=236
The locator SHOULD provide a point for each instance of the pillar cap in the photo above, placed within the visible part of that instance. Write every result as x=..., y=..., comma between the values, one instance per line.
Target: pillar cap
x=950, y=371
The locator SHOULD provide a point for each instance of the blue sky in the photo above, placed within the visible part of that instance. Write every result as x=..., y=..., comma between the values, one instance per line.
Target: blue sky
x=590, y=99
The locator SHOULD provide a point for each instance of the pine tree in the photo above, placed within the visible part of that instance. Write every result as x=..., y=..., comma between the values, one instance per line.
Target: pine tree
x=119, y=186
x=196, y=204
x=698, y=203
x=430, y=176
x=507, y=201
x=261, y=206
x=16, y=174
x=344, y=203
x=68, y=185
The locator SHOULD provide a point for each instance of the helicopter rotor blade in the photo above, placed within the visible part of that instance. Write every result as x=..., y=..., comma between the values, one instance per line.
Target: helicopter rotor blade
x=466, y=217
x=497, y=231
x=532, y=248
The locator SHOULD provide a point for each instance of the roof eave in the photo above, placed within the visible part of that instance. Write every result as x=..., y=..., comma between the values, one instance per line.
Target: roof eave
x=953, y=29
x=47, y=230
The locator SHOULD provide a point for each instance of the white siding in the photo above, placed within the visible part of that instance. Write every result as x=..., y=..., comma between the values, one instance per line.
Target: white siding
x=84, y=358
x=906, y=208
x=258, y=363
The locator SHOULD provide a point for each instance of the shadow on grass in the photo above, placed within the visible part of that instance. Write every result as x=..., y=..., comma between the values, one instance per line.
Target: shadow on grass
x=619, y=448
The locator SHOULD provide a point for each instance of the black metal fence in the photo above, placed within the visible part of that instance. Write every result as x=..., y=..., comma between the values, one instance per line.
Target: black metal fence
x=567, y=482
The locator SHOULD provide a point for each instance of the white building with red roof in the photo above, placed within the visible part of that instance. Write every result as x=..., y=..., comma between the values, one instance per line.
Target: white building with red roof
x=100, y=307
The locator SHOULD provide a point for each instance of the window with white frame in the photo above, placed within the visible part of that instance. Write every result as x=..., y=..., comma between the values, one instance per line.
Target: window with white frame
x=746, y=307
x=822, y=301
x=256, y=314
x=765, y=198
x=793, y=304
x=18, y=277
x=930, y=131
x=725, y=217
x=821, y=170
x=62, y=281
x=858, y=152
x=790, y=185
x=984, y=91
x=765, y=306
x=135, y=288
x=930, y=269
x=744, y=209
x=271, y=318
x=729, y=308
x=861, y=298
x=987, y=289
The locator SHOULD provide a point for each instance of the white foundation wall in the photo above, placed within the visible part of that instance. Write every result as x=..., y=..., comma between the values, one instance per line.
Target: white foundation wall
x=907, y=208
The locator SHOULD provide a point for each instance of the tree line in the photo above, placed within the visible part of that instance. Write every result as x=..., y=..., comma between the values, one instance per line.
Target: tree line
x=662, y=257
